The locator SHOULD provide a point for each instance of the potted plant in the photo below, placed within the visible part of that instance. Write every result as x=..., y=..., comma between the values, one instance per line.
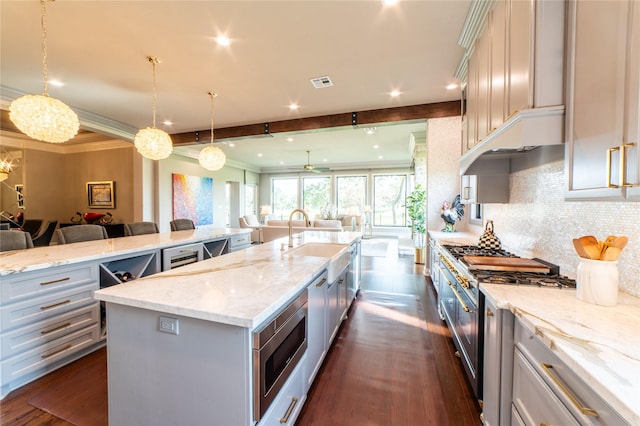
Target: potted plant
x=415, y=204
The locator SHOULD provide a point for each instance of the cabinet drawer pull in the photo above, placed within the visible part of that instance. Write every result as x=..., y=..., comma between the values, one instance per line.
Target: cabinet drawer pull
x=64, y=348
x=584, y=410
x=59, y=327
x=55, y=304
x=294, y=401
x=321, y=283
x=55, y=281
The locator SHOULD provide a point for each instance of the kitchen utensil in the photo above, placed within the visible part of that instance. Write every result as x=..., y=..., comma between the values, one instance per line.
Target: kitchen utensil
x=604, y=245
x=620, y=242
x=611, y=253
x=582, y=252
x=590, y=244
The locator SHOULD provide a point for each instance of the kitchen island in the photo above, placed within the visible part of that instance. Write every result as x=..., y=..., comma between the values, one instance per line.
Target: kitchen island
x=180, y=343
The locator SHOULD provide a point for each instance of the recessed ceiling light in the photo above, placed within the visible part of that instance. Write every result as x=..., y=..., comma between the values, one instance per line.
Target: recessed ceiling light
x=167, y=123
x=293, y=106
x=388, y=3
x=369, y=130
x=394, y=93
x=282, y=162
x=56, y=83
x=452, y=86
x=223, y=40
x=380, y=157
x=289, y=139
x=376, y=146
x=231, y=144
x=259, y=154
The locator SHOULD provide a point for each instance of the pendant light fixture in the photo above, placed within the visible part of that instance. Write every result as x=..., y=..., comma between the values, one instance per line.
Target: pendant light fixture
x=211, y=157
x=152, y=143
x=40, y=116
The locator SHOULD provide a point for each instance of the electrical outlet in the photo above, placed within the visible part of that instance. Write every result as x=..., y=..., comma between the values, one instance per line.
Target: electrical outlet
x=169, y=325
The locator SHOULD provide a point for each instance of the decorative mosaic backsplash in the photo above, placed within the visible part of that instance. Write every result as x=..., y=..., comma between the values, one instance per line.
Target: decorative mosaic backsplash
x=537, y=222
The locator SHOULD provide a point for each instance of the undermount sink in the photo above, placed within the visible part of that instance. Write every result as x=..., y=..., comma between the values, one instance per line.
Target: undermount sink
x=338, y=253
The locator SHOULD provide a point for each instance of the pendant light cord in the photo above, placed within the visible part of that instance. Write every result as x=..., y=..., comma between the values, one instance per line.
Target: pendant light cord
x=213, y=95
x=43, y=23
x=153, y=61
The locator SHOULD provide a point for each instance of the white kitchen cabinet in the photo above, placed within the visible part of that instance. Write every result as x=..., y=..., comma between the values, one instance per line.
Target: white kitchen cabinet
x=547, y=391
x=515, y=64
x=602, y=130
x=316, y=328
x=47, y=319
x=498, y=365
x=239, y=242
x=477, y=189
x=286, y=407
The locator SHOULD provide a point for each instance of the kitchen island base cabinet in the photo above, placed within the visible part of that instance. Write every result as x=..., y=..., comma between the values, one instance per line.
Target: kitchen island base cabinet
x=202, y=375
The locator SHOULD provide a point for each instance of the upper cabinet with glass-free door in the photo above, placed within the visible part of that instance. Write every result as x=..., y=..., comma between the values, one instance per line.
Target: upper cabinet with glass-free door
x=603, y=76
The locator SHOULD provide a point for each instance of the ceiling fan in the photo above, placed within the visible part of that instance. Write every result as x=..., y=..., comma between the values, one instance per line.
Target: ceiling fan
x=311, y=168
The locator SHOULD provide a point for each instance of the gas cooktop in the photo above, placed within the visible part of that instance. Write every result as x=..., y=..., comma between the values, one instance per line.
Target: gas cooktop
x=553, y=279
x=460, y=251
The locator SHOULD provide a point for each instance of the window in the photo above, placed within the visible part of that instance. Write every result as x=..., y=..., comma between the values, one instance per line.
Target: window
x=285, y=196
x=352, y=192
x=389, y=192
x=250, y=195
x=316, y=195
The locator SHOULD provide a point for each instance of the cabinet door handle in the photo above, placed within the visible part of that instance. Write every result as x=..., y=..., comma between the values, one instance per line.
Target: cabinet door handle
x=455, y=292
x=623, y=171
x=55, y=304
x=466, y=193
x=294, y=401
x=321, y=283
x=584, y=410
x=55, y=281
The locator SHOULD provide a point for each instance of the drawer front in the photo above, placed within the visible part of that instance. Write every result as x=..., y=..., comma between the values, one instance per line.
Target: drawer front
x=183, y=255
x=26, y=285
x=284, y=410
x=533, y=399
x=33, y=310
x=238, y=241
x=33, y=360
x=41, y=332
x=581, y=400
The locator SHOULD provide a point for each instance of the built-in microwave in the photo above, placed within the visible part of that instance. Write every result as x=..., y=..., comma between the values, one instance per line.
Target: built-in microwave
x=277, y=348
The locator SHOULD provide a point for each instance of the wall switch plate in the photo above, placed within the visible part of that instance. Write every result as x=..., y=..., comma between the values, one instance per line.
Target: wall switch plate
x=168, y=325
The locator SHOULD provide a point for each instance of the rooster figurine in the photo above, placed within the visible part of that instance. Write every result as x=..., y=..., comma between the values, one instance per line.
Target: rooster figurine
x=452, y=214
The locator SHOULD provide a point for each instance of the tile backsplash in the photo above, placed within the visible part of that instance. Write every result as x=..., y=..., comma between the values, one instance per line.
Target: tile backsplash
x=538, y=222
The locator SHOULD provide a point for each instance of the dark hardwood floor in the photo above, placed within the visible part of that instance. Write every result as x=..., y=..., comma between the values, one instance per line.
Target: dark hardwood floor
x=393, y=362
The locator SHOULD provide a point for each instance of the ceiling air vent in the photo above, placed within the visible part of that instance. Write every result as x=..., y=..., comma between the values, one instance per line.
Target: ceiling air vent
x=320, y=82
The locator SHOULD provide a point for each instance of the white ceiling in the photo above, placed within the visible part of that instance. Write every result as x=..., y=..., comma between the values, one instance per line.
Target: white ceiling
x=99, y=48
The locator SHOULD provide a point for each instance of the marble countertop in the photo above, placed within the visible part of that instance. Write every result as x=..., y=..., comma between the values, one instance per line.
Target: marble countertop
x=38, y=258
x=243, y=288
x=600, y=344
x=453, y=238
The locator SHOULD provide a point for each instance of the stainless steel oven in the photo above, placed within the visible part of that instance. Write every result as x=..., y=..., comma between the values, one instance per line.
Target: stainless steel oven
x=277, y=349
x=461, y=306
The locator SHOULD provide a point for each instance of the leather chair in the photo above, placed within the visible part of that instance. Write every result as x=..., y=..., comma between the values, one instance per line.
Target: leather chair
x=140, y=228
x=32, y=226
x=182, y=224
x=15, y=240
x=44, y=237
x=79, y=233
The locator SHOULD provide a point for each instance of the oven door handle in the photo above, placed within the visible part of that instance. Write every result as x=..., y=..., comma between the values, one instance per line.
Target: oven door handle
x=455, y=292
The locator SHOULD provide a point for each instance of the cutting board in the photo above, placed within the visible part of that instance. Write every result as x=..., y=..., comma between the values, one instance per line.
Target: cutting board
x=519, y=264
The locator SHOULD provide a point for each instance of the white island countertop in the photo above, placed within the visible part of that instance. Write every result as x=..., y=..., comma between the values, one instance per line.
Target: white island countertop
x=37, y=258
x=243, y=288
x=600, y=344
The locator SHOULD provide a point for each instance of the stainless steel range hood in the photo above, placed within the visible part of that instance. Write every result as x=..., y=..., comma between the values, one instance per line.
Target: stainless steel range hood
x=523, y=131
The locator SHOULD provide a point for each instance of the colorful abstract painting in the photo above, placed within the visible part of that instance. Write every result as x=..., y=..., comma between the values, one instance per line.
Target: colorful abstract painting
x=193, y=198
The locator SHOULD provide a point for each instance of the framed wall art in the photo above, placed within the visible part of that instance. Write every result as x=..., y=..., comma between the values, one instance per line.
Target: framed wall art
x=101, y=195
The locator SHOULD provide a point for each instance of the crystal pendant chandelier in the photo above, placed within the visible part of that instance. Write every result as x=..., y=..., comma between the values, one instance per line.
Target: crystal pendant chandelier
x=40, y=116
x=152, y=143
x=211, y=157
x=5, y=168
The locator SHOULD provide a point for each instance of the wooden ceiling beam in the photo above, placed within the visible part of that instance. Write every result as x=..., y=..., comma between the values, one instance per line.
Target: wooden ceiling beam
x=360, y=118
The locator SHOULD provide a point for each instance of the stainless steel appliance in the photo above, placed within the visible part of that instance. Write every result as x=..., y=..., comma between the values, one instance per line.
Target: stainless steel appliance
x=277, y=348
x=461, y=303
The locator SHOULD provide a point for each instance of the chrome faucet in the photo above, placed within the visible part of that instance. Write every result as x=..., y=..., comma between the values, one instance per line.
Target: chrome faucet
x=306, y=222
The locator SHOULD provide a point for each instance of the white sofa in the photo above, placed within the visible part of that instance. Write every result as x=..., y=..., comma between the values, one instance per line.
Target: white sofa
x=275, y=229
